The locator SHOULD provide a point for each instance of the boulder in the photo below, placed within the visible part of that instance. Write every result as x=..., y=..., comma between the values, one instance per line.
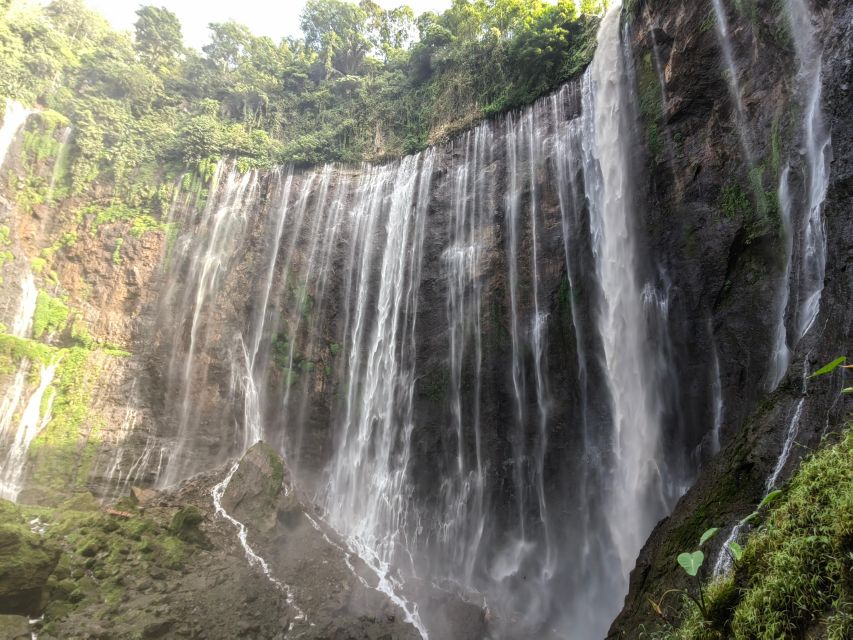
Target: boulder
x=260, y=489
x=26, y=562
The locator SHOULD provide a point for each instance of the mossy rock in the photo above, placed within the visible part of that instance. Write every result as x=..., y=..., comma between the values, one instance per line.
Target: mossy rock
x=185, y=526
x=256, y=491
x=26, y=563
x=83, y=501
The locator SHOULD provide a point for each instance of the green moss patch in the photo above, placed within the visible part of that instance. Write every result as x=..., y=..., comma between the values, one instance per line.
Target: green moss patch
x=796, y=573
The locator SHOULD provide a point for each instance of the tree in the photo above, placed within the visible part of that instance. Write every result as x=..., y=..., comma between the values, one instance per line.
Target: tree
x=159, y=42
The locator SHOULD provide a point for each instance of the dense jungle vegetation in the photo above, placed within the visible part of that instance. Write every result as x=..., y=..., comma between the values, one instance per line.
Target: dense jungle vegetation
x=360, y=83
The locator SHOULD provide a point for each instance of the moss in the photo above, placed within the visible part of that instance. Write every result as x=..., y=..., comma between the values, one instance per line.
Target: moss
x=797, y=567
x=63, y=452
x=185, y=526
x=14, y=349
x=435, y=384
x=734, y=202
x=795, y=573
x=50, y=315
x=144, y=223
x=117, y=259
x=650, y=101
x=173, y=552
x=38, y=265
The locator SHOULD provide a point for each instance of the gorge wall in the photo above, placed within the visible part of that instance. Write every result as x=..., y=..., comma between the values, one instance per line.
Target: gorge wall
x=495, y=365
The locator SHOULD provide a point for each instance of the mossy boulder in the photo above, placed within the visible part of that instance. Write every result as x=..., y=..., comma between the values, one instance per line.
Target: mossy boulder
x=256, y=492
x=185, y=526
x=26, y=563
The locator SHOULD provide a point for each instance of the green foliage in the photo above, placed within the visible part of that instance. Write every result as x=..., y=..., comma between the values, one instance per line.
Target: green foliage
x=51, y=314
x=360, y=83
x=829, y=368
x=5, y=241
x=14, y=349
x=281, y=351
x=793, y=575
x=691, y=562
x=734, y=202
x=117, y=259
x=710, y=533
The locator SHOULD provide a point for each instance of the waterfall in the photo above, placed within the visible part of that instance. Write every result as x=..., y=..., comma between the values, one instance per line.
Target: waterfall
x=455, y=352
x=33, y=419
x=817, y=147
x=58, y=163
x=802, y=214
x=13, y=410
x=22, y=323
x=633, y=505
x=368, y=492
x=14, y=118
x=722, y=26
x=205, y=263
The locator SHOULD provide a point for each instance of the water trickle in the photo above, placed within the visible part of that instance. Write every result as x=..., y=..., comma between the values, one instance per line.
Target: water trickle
x=33, y=419
x=716, y=400
x=14, y=117
x=59, y=163
x=818, y=153
x=22, y=324
x=243, y=536
x=732, y=77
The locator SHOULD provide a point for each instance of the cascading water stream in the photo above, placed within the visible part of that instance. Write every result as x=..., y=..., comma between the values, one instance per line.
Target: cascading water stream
x=33, y=419
x=405, y=343
x=224, y=216
x=59, y=162
x=818, y=152
x=802, y=214
x=633, y=505
x=14, y=117
x=723, y=36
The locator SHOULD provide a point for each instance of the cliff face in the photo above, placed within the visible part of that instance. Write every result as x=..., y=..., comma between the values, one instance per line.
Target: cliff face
x=708, y=159
x=441, y=346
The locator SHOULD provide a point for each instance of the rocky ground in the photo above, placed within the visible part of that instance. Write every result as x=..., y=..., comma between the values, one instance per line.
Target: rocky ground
x=166, y=565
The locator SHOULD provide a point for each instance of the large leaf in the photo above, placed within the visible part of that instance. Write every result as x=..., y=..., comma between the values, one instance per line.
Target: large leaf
x=737, y=550
x=752, y=516
x=691, y=562
x=708, y=535
x=770, y=497
x=829, y=368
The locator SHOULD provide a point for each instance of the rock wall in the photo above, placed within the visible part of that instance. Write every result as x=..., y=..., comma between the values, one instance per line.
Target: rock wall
x=239, y=309
x=735, y=481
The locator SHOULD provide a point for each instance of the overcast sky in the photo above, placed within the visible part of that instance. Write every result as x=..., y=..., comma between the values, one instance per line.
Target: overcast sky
x=274, y=18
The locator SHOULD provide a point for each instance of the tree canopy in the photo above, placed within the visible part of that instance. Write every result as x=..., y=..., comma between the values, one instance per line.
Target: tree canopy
x=362, y=82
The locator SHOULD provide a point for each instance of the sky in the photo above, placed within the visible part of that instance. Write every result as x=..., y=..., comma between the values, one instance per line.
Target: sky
x=274, y=18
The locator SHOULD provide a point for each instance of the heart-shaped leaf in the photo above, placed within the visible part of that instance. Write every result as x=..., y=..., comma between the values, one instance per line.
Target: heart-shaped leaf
x=828, y=368
x=737, y=550
x=708, y=535
x=770, y=497
x=691, y=562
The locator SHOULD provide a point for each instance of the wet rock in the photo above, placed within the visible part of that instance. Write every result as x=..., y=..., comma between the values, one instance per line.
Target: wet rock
x=256, y=492
x=157, y=629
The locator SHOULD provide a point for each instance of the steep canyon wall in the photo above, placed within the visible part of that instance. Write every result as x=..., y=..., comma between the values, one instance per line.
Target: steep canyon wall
x=497, y=364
